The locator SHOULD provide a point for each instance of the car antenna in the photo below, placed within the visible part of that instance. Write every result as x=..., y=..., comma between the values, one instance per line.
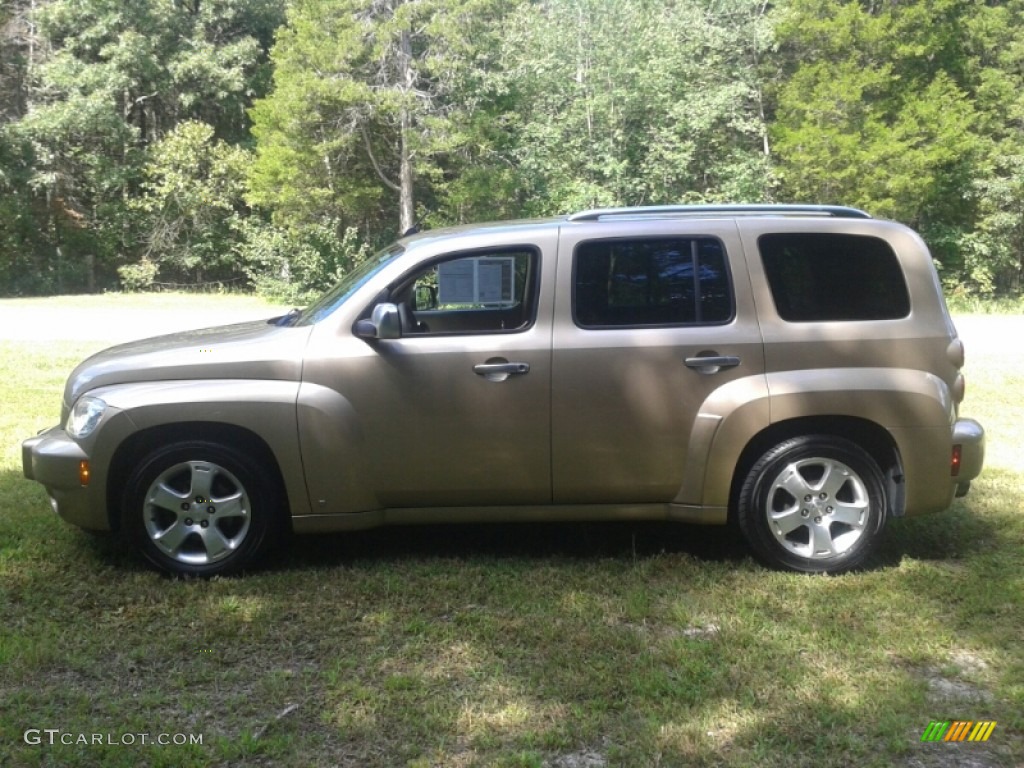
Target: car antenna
x=411, y=230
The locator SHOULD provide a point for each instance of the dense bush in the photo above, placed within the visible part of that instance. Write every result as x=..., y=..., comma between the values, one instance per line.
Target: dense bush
x=294, y=266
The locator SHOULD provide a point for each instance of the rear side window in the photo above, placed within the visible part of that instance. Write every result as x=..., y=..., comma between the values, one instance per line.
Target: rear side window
x=822, y=277
x=631, y=283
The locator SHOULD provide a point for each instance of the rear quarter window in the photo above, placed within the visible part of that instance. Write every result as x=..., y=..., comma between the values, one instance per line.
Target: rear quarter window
x=817, y=277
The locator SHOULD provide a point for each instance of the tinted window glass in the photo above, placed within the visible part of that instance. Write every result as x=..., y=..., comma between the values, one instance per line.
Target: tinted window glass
x=816, y=277
x=675, y=281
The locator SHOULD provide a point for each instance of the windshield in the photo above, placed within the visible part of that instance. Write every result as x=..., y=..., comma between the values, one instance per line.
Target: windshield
x=348, y=285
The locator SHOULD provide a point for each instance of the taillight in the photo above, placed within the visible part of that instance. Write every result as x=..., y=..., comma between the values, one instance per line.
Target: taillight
x=954, y=461
x=959, y=388
x=955, y=353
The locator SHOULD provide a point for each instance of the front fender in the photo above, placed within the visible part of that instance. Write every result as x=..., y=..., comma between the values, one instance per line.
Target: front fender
x=265, y=408
x=333, y=452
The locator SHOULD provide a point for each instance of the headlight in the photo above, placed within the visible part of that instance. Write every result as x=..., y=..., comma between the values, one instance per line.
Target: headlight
x=85, y=416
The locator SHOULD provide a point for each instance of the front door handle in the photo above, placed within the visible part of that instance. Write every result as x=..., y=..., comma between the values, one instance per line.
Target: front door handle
x=500, y=371
x=712, y=363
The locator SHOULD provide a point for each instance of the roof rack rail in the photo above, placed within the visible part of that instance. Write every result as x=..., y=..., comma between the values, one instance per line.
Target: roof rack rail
x=655, y=211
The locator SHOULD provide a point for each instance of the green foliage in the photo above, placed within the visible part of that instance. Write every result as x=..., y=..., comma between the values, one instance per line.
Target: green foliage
x=138, y=277
x=115, y=80
x=911, y=111
x=639, y=102
x=139, y=130
x=995, y=45
x=192, y=194
x=23, y=268
x=871, y=118
x=963, y=303
x=359, y=91
x=295, y=265
x=994, y=252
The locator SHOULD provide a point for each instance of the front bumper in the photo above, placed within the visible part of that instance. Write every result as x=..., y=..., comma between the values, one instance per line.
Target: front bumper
x=53, y=459
x=970, y=436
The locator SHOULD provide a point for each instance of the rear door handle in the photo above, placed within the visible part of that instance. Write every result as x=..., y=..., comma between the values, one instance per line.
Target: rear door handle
x=500, y=371
x=712, y=363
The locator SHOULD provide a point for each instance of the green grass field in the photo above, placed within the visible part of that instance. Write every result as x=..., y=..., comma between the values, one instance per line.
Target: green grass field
x=570, y=646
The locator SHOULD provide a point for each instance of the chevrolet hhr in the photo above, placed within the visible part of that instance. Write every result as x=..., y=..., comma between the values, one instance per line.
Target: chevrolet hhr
x=792, y=370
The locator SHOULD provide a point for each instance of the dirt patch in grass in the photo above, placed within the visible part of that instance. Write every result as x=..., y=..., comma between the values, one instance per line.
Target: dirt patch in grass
x=585, y=759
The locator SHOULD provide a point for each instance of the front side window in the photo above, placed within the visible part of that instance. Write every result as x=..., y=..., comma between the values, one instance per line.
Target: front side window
x=816, y=277
x=648, y=282
x=478, y=292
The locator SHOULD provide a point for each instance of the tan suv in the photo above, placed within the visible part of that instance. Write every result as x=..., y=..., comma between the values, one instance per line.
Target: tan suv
x=790, y=368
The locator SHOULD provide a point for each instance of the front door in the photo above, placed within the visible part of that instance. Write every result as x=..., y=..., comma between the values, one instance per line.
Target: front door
x=456, y=412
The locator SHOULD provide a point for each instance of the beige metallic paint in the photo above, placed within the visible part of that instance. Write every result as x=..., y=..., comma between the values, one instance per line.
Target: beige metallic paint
x=253, y=350
x=395, y=432
x=265, y=408
x=624, y=404
x=430, y=431
x=739, y=411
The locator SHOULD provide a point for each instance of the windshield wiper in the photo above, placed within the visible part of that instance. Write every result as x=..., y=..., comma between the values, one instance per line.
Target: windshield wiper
x=288, y=319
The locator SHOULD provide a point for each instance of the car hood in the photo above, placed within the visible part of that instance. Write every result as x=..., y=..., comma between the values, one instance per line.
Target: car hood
x=251, y=350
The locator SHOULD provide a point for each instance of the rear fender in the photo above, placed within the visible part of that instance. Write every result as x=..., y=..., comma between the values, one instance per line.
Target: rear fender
x=914, y=407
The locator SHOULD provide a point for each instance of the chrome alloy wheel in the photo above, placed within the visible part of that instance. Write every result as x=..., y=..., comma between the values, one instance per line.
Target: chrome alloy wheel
x=817, y=508
x=197, y=512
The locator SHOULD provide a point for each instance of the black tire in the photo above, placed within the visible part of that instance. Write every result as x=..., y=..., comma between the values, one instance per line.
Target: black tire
x=814, y=504
x=198, y=508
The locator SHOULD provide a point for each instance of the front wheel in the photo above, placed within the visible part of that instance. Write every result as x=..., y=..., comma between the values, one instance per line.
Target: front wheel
x=814, y=504
x=200, y=508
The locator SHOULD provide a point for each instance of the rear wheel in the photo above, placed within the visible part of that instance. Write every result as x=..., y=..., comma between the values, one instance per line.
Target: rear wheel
x=814, y=504
x=200, y=508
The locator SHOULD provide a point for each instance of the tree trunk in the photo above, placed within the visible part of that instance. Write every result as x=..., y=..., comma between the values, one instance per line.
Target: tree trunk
x=406, y=200
x=406, y=194
x=90, y=272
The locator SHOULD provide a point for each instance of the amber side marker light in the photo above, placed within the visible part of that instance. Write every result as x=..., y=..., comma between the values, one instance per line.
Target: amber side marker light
x=954, y=461
x=83, y=472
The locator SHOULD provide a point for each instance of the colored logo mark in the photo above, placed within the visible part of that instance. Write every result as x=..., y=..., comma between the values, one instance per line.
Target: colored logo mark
x=958, y=730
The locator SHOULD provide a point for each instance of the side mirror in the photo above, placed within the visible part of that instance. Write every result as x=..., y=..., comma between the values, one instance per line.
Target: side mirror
x=384, y=323
x=426, y=297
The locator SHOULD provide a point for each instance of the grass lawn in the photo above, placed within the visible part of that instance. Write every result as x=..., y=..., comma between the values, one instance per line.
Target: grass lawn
x=569, y=646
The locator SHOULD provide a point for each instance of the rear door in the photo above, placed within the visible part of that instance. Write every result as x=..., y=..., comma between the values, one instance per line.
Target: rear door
x=646, y=328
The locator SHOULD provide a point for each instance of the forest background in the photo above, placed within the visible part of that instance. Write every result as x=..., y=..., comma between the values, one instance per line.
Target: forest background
x=272, y=144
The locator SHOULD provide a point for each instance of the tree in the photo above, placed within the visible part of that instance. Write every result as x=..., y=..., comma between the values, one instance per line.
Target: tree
x=361, y=117
x=872, y=111
x=119, y=77
x=993, y=251
x=19, y=52
x=639, y=102
x=193, y=192
x=23, y=267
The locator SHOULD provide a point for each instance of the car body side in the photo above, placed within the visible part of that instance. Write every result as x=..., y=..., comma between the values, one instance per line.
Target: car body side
x=657, y=439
